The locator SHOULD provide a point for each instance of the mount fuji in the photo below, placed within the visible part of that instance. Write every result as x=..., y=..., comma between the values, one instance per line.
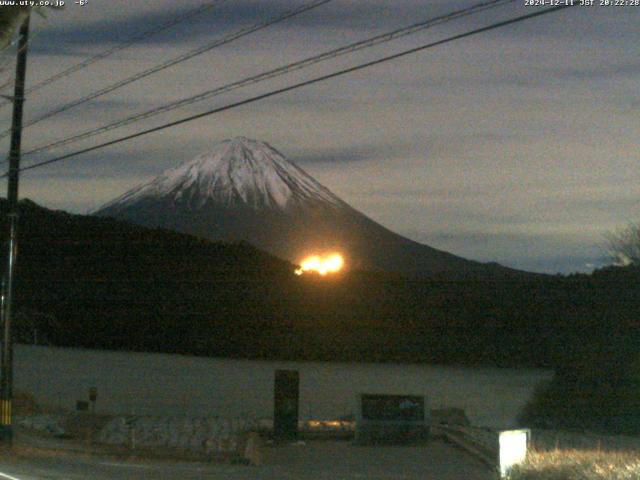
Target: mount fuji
x=244, y=190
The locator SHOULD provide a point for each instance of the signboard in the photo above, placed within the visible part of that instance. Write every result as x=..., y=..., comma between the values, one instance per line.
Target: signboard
x=398, y=408
x=391, y=419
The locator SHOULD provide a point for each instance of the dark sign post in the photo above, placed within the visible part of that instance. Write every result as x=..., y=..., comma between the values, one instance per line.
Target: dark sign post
x=285, y=411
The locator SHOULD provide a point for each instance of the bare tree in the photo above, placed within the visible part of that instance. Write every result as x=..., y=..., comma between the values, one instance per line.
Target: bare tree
x=10, y=19
x=623, y=245
x=34, y=326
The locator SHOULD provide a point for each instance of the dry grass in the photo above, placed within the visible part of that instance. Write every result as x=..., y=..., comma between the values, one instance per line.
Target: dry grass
x=579, y=465
x=562, y=455
x=549, y=440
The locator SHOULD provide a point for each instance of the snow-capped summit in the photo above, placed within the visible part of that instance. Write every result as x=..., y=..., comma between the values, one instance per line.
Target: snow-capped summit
x=245, y=190
x=236, y=172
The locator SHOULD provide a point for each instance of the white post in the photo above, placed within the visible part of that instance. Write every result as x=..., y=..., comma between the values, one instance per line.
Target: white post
x=513, y=446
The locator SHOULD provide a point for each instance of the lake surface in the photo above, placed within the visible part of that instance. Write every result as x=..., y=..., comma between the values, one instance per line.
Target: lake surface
x=160, y=384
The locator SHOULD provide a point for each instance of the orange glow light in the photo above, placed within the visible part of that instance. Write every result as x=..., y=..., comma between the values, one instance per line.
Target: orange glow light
x=331, y=263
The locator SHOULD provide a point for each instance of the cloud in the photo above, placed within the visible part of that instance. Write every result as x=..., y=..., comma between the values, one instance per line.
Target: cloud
x=353, y=153
x=549, y=253
x=506, y=146
x=222, y=19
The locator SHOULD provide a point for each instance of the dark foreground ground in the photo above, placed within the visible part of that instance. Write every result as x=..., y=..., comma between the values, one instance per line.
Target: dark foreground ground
x=315, y=460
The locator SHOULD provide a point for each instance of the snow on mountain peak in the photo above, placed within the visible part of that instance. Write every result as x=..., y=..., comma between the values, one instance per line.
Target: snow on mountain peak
x=239, y=171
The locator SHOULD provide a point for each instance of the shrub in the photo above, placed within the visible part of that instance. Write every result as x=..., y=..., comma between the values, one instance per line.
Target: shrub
x=601, y=396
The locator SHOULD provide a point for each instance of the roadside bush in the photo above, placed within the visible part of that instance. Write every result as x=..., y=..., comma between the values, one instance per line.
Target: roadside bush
x=601, y=396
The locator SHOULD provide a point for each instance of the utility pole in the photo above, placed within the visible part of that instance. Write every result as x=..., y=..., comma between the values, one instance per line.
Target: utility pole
x=6, y=367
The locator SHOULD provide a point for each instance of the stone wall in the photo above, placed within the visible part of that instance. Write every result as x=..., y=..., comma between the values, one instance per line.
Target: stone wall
x=190, y=433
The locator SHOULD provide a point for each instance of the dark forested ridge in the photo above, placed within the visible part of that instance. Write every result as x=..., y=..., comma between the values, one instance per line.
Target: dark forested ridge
x=100, y=283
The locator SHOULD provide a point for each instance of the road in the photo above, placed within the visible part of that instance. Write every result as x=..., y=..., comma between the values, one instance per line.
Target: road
x=320, y=460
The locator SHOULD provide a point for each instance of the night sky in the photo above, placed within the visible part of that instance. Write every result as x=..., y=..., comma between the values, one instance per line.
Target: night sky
x=518, y=146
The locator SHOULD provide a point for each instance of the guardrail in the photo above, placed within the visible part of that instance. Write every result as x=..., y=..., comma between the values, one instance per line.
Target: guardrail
x=470, y=441
x=500, y=451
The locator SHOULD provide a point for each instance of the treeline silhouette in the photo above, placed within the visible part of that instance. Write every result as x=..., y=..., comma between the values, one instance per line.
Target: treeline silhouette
x=92, y=282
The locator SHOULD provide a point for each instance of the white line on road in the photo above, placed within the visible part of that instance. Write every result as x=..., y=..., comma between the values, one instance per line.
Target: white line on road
x=9, y=477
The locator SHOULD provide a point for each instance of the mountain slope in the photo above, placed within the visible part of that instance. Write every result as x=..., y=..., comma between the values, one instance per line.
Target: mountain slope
x=240, y=172
x=245, y=190
x=101, y=283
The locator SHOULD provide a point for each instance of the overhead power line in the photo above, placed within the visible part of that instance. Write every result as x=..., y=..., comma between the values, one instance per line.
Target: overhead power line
x=7, y=82
x=169, y=63
x=270, y=74
x=300, y=85
x=121, y=46
x=4, y=51
x=7, y=63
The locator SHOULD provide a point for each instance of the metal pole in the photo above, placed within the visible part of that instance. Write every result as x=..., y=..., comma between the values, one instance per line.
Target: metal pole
x=6, y=368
